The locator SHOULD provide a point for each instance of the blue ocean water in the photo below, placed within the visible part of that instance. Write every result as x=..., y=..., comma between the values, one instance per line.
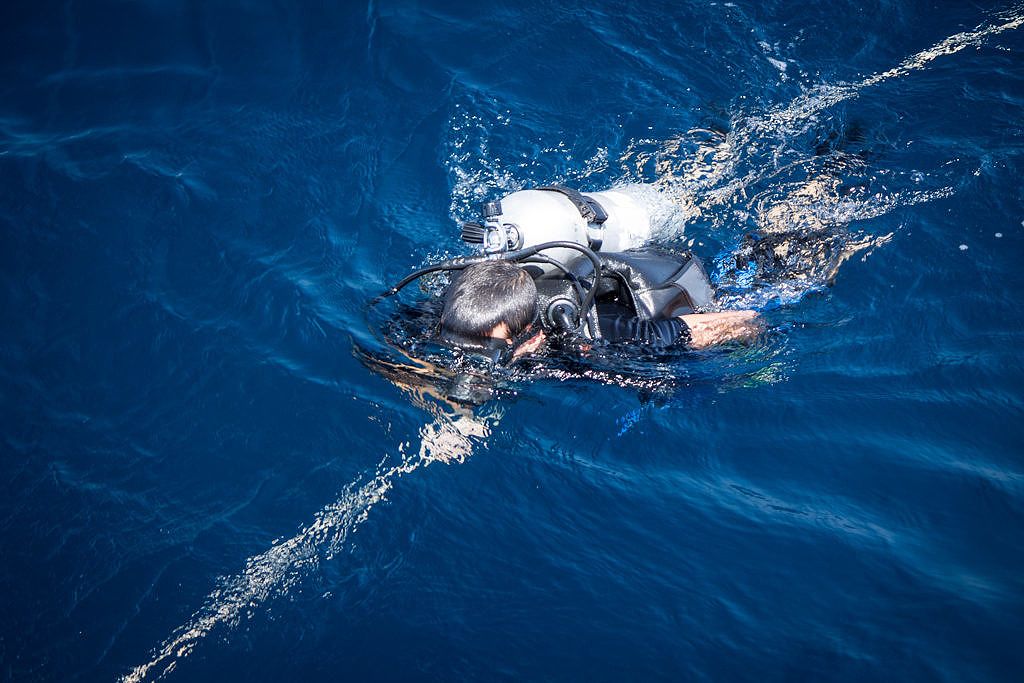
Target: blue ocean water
x=203, y=479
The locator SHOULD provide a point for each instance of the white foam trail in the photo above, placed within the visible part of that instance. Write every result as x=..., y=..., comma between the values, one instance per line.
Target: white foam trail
x=697, y=170
x=449, y=439
x=804, y=107
x=705, y=174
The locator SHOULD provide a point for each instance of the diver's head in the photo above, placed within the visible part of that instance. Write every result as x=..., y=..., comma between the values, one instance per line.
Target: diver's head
x=488, y=308
x=488, y=301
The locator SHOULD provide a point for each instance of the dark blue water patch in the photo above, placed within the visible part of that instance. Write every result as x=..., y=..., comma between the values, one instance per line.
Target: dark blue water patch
x=196, y=203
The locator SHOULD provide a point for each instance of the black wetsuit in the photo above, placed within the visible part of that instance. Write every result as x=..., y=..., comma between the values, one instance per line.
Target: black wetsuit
x=663, y=333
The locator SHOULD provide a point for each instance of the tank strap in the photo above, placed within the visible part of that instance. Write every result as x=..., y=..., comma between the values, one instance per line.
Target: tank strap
x=588, y=207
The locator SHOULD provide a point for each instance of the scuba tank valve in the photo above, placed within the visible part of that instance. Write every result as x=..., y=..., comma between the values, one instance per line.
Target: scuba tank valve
x=493, y=236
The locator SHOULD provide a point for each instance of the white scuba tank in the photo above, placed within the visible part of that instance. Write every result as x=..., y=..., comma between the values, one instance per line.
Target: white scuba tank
x=538, y=216
x=629, y=223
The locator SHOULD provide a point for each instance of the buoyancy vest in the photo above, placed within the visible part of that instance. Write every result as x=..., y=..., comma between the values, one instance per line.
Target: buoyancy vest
x=649, y=284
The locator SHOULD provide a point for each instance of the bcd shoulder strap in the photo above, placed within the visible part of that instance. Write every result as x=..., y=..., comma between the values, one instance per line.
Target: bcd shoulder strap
x=588, y=207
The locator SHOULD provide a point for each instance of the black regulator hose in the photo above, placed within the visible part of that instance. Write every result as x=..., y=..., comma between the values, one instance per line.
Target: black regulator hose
x=453, y=264
x=517, y=255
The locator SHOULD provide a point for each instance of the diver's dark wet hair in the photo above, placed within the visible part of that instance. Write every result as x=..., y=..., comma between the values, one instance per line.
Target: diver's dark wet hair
x=484, y=295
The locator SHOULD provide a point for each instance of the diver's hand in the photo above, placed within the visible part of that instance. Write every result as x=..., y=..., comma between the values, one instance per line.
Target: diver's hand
x=709, y=329
x=530, y=345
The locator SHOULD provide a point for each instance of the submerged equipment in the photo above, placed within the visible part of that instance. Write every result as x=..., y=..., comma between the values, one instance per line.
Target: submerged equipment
x=563, y=238
x=546, y=228
x=574, y=245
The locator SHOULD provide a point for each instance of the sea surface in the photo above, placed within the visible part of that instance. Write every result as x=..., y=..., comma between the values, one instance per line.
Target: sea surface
x=204, y=476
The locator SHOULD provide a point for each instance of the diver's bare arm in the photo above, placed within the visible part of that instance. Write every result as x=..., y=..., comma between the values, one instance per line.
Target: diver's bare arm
x=708, y=329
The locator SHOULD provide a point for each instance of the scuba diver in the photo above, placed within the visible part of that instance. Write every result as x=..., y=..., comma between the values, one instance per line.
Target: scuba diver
x=496, y=305
x=571, y=267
